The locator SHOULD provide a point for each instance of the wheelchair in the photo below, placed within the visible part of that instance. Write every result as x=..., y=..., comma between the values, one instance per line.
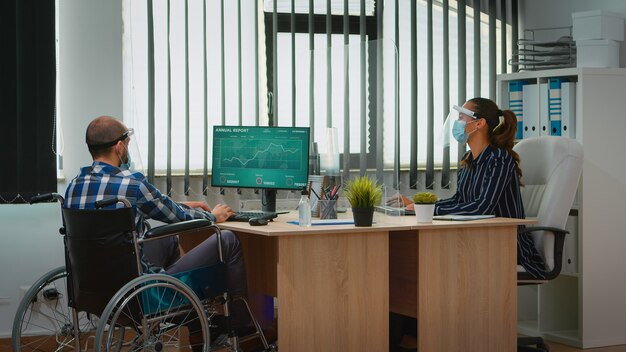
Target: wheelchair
x=102, y=299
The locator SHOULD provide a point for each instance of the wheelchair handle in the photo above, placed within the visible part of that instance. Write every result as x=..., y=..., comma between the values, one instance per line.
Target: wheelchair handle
x=46, y=197
x=110, y=201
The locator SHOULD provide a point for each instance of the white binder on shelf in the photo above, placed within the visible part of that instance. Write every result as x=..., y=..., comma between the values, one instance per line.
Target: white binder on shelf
x=570, y=248
x=544, y=116
x=530, y=110
x=568, y=109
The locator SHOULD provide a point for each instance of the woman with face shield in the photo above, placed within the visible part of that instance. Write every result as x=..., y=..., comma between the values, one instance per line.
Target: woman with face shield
x=488, y=181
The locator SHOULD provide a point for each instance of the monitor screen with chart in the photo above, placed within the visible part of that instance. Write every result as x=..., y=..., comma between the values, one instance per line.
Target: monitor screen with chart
x=260, y=157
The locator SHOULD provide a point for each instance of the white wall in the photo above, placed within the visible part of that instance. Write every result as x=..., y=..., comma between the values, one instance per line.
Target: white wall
x=558, y=13
x=90, y=77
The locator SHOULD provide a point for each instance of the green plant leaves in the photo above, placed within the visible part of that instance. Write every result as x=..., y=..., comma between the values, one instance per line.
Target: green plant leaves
x=363, y=192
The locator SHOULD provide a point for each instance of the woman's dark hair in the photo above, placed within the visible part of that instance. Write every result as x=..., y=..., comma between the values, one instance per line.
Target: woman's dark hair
x=501, y=134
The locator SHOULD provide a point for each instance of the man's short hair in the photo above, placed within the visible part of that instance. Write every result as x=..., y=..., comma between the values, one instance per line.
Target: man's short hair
x=103, y=130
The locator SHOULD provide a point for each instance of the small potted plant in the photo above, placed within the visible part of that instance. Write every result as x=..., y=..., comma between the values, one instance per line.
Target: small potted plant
x=363, y=193
x=424, y=206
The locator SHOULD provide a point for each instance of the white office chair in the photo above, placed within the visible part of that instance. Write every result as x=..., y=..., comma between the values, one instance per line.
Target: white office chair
x=551, y=168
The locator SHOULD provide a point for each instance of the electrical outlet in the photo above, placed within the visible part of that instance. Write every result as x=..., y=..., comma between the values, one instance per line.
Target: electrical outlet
x=23, y=290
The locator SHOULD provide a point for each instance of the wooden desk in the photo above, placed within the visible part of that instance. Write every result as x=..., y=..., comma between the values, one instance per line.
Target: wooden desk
x=335, y=290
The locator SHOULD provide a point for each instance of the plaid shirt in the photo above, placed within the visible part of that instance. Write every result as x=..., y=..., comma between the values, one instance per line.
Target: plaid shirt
x=100, y=181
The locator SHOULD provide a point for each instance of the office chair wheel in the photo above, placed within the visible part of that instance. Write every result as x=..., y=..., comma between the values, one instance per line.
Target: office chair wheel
x=543, y=347
x=44, y=320
x=158, y=313
x=535, y=347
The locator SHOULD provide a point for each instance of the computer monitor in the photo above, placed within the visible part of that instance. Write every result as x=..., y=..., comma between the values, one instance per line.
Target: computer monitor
x=261, y=157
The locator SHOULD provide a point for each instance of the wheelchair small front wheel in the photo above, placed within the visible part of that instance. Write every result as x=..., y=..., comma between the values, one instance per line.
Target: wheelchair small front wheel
x=158, y=312
x=43, y=320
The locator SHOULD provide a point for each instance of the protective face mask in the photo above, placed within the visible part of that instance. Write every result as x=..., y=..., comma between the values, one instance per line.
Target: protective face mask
x=125, y=164
x=458, y=131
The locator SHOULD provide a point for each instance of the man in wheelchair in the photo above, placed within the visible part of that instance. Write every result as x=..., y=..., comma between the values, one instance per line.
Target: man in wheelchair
x=108, y=141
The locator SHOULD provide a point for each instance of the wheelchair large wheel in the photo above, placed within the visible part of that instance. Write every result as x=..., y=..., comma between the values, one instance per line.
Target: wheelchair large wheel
x=43, y=321
x=158, y=312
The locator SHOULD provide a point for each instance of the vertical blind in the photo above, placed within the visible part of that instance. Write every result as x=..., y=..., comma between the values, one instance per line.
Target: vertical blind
x=383, y=73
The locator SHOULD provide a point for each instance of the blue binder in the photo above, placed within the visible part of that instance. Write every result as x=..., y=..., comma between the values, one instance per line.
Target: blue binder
x=516, y=104
x=554, y=105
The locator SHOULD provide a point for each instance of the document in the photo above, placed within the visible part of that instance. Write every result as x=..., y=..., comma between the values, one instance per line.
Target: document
x=316, y=222
x=462, y=217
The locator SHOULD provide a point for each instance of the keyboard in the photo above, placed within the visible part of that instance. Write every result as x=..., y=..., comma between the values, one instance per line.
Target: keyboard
x=244, y=216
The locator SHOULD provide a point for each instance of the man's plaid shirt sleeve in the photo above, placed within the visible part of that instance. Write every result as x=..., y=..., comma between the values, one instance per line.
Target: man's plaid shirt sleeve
x=155, y=205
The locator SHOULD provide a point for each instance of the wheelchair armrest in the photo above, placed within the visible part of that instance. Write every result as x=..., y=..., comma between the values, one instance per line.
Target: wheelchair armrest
x=46, y=197
x=110, y=201
x=172, y=229
x=185, y=226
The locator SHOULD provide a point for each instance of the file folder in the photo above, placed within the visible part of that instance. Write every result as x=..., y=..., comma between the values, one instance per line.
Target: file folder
x=554, y=105
x=570, y=247
x=530, y=111
x=516, y=103
x=568, y=109
x=544, y=116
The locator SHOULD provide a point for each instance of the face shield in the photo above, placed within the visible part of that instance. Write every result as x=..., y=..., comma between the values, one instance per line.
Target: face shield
x=132, y=160
x=453, y=131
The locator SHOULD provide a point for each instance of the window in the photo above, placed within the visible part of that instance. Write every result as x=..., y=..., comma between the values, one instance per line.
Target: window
x=237, y=87
x=323, y=64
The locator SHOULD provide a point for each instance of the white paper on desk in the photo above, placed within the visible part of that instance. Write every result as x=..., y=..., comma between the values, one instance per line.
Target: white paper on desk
x=462, y=217
x=316, y=222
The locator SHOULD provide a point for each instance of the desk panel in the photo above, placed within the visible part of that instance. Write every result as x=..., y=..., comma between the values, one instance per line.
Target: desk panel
x=465, y=296
x=333, y=292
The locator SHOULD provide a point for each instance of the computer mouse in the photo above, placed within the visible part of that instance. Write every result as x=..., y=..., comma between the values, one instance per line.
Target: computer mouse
x=257, y=221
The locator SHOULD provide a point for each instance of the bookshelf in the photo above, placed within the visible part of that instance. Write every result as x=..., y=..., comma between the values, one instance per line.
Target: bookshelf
x=586, y=306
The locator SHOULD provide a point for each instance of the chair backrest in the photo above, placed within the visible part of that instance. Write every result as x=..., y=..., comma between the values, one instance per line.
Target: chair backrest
x=100, y=255
x=551, y=168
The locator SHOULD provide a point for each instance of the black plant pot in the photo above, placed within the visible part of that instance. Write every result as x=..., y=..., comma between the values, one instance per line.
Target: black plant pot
x=363, y=216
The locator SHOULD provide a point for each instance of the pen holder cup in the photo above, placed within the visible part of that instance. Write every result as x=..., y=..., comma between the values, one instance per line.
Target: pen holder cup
x=328, y=209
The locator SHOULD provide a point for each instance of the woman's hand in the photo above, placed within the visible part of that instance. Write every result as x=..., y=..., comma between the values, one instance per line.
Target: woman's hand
x=399, y=201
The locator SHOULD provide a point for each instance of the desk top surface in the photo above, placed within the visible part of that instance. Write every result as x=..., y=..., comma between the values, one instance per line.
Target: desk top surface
x=382, y=222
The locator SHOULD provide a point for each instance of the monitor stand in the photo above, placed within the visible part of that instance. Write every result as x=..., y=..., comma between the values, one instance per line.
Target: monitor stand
x=268, y=200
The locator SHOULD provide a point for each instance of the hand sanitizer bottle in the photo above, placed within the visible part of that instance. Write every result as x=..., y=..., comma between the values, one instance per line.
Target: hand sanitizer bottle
x=304, y=210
